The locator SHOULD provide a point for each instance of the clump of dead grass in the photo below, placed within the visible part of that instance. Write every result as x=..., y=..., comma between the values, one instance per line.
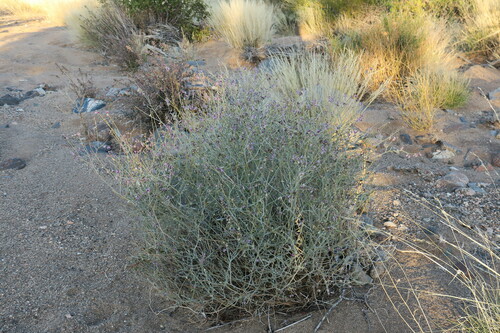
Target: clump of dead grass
x=244, y=23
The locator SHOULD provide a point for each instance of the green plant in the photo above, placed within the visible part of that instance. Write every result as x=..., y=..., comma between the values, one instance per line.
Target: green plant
x=426, y=91
x=186, y=15
x=244, y=23
x=248, y=207
x=109, y=30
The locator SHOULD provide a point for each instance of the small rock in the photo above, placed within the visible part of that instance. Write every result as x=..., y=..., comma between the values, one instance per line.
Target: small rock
x=426, y=139
x=448, y=146
x=452, y=181
x=113, y=92
x=442, y=155
x=366, y=219
x=495, y=94
x=378, y=269
x=495, y=159
x=95, y=147
x=88, y=105
x=463, y=120
x=8, y=99
x=466, y=191
x=390, y=225
x=5, y=126
x=40, y=91
x=56, y=125
x=406, y=139
x=68, y=316
x=13, y=163
x=396, y=203
x=476, y=188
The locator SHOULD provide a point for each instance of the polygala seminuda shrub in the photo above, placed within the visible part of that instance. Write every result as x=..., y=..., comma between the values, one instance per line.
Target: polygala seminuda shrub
x=249, y=207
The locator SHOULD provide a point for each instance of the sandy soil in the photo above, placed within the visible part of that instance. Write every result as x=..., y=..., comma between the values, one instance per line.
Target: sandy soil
x=67, y=242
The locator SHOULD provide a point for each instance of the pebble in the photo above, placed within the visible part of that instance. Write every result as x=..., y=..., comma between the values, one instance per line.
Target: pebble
x=360, y=277
x=56, y=125
x=466, y=191
x=483, y=167
x=390, y=225
x=452, y=181
x=13, y=163
x=406, y=139
x=88, y=105
x=9, y=100
x=396, y=203
x=443, y=155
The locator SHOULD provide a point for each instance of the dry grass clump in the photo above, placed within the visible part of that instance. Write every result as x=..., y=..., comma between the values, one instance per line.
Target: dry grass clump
x=333, y=85
x=244, y=23
x=482, y=28
x=426, y=91
x=110, y=30
x=395, y=45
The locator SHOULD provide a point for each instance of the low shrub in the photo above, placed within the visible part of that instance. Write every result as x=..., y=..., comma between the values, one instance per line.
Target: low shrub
x=426, y=91
x=163, y=98
x=249, y=207
x=110, y=30
x=185, y=15
x=244, y=23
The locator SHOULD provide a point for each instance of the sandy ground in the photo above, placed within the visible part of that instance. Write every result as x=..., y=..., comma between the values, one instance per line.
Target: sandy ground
x=67, y=242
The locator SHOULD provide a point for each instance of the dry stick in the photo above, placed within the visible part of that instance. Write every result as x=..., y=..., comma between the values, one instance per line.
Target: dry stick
x=334, y=305
x=491, y=105
x=292, y=324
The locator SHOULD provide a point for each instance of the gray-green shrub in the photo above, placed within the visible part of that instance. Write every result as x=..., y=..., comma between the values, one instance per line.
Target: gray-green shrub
x=249, y=207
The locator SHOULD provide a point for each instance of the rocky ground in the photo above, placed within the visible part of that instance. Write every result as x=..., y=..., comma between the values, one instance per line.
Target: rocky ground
x=67, y=242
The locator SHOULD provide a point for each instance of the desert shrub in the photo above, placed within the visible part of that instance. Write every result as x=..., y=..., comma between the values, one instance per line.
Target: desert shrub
x=244, y=23
x=426, y=91
x=321, y=83
x=185, y=15
x=482, y=28
x=395, y=46
x=162, y=95
x=109, y=30
x=249, y=207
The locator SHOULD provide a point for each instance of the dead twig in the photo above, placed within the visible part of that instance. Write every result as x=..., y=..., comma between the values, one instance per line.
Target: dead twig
x=334, y=305
x=294, y=323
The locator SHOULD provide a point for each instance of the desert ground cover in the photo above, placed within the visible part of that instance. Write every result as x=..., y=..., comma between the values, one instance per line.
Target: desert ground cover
x=249, y=166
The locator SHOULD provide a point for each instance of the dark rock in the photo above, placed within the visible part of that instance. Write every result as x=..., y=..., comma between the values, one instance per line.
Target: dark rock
x=406, y=139
x=88, y=105
x=462, y=119
x=9, y=100
x=426, y=139
x=5, y=126
x=448, y=146
x=452, y=181
x=56, y=125
x=13, y=163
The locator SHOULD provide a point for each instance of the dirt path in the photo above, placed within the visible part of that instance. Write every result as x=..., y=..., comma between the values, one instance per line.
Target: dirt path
x=66, y=241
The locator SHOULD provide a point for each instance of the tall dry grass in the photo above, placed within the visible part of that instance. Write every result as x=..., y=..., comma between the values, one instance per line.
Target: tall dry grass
x=244, y=23
x=482, y=27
